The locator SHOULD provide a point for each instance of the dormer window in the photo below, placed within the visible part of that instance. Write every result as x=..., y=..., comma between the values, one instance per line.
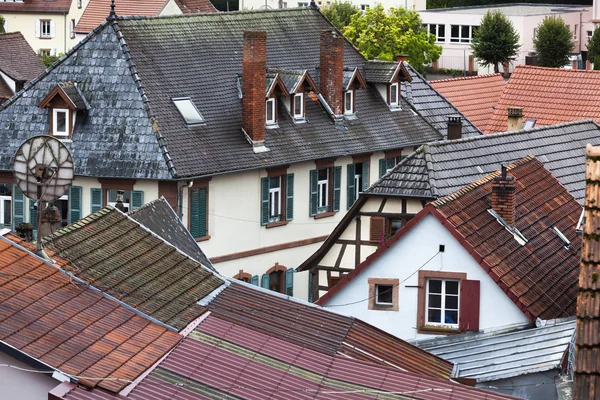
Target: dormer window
x=349, y=102
x=60, y=118
x=394, y=95
x=64, y=102
x=188, y=111
x=271, y=117
x=299, y=106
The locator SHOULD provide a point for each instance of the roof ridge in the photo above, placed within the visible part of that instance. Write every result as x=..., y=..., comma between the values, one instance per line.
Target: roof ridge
x=562, y=70
x=466, y=78
x=204, y=14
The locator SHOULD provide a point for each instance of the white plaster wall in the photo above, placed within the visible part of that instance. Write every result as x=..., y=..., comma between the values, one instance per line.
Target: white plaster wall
x=409, y=4
x=15, y=384
x=393, y=205
x=171, y=8
x=25, y=23
x=86, y=197
x=150, y=189
x=402, y=260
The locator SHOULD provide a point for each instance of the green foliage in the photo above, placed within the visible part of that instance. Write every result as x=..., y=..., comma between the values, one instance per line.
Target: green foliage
x=464, y=3
x=340, y=13
x=2, y=20
x=48, y=60
x=496, y=41
x=593, y=46
x=384, y=35
x=553, y=42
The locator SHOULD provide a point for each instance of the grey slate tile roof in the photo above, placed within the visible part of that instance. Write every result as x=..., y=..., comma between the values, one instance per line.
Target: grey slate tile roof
x=504, y=353
x=438, y=169
x=160, y=218
x=75, y=95
x=379, y=71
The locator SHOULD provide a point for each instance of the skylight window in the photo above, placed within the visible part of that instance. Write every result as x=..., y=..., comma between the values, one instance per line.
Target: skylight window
x=561, y=236
x=529, y=124
x=188, y=111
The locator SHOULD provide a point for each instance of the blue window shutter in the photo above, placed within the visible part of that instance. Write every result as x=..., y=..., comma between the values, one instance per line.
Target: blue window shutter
x=18, y=206
x=337, y=188
x=382, y=167
x=289, y=200
x=264, y=201
x=264, y=281
x=74, y=204
x=198, y=212
x=365, y=171
x=351, y=189
x=391, y=163
x=314, y=192
x=33, y=217
x=289, y=281
x=254, y=280
x=137, y=199
x=96, y=196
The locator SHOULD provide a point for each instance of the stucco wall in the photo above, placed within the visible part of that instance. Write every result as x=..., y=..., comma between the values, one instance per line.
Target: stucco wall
x=409, y=4
x=171, y=8
x=402, y=261
x=15, y=384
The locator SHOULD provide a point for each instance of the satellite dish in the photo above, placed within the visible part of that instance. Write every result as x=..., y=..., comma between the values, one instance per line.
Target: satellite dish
x=43, y=168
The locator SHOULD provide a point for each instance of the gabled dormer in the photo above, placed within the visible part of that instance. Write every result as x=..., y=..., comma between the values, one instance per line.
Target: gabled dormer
x=353, y=81
x=298, y=84
x=387, y=77
x=64, y=102
x=274, y=90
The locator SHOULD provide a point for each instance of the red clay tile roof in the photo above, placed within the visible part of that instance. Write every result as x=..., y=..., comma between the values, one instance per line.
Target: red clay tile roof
x=220, y=359
x=539, y=277
x=586, y=383
x=195, y=6
x=52, y=318
x=97, y=11
x=474, y=96
x=549, y=96
x=37, y=6
x=18, y=60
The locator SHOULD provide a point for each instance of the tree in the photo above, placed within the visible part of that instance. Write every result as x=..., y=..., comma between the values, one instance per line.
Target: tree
x=339, y=13
x=593, y=46
x=552, y=42
x=2, y=21
x=384, y=35
x=496, y=40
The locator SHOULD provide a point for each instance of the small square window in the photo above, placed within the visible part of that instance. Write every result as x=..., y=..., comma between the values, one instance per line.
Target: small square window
x=271, y=112
x=188, y=111
x=383, y=294
x=349, y=102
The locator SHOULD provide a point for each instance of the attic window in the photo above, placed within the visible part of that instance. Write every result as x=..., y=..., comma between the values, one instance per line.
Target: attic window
x=299, y=106
x=561, y=236
x=60, y=122
x=349, y=102
x=394, y=95
x=271, y=117
x=188, y=111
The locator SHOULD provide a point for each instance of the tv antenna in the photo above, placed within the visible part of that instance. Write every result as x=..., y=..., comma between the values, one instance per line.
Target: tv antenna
x=43, y=171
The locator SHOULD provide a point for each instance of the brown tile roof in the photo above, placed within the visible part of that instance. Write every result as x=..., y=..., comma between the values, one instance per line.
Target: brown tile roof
x=60, y=321
x=37, y=6
x=549, y=96
x=196, y=6
x=18, y=60
x=97, y=11
x=539, y=277
x=126, y=260
x=5, y=91
x=586, y=383
x=474, y=96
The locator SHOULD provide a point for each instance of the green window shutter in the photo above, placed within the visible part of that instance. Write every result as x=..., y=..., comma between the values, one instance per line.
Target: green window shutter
x=310, y=292
x=74, y=204
x=382, y=167
x=289, y=200
x=18, y=206
x=264, y=281
x=289, y=281
x=96, y=196
x=264, y=201
x=337, y=188
x=391, y=163
x=366, y=175
x=314, y=192
x=254, y=280
x=137, y=199
x=33, y=217
x=351, y=188
x=198, y=212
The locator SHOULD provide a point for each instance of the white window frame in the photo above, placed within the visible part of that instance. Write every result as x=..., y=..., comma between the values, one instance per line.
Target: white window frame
x=274, y=201
x=79, y=3
x=364, y=7
x=323, y=188
x=72, y=28
x=436, y=29
x=114, y=203
x=383, y=303
x=460, y=38
x=3, y=212
x=45, y=35
x=358, y=180
x=302, y=5
x=349, y=93
x=191, y=116
x=442, y=304
x=298, y=99
x=395, y=102
x=270, y=103
x=55, y=131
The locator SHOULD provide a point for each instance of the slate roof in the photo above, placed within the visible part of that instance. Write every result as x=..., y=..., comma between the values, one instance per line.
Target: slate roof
x=434, y=107
x=97, y=10
x=474, y=96
x=549, y=96
x=18, y=60
x=380, y=71
x=134, y=265
x=36, y=6
x=195, y=6
x=438, y=169
x=220, y=359
x=513, y=9
x=75, y=95
x=505, y=353
x=160, y=218
x=58, y=320
x=540, y=277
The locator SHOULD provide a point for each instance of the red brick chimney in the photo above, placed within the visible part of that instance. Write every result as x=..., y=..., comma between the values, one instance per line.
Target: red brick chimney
x=402, y=58
x=331, y=69
x=254, y=82
x=503, y=196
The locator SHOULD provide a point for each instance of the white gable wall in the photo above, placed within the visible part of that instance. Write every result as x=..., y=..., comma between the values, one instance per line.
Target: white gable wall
x=402, y=260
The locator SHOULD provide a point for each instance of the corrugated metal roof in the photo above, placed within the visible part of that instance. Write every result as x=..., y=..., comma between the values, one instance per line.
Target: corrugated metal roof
x=498, y=355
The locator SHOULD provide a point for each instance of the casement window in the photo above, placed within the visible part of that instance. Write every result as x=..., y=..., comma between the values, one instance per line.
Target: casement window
x=387, y=164
x=243, y=276
x=188, y=111
x=349, y=102
x=447, y=302
x=383, y=294
x=277, y=199
x=198, y=212
x=394, y=95
x=439, y=31
x=364, y=7
x=79, y=3
x=462, y=33
x=302, y=4
x=358, y=180
x=132, y=199
x=271, y=112
x=590, y=34
x=74, y=204
x=394, y=225
x=325, y=190
x=6, y=191
x=382, y=228
x=278, y=279
x=284, y=4
x=72, y=29
x=45, y=29
x=575, y=29
x=44, y=52
x=60, y=122
x=298, y=111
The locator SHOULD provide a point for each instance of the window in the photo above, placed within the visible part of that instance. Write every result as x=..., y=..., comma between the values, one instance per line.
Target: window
x=274, y=199
x=45, y=28
x=188, y=111
x=364, y=7
x=358, y=179
x=575, y=31
x=111, y=198
x=277, y=198
x=243, y=276
x=284, y=4
x=442, y=303
x=388, y=163
x=590, y=34
x=462, y=33
x=72, y=29
x=394, y=100
x=394, y=226
x=5, y=205
x=302, y=4
x=439, y=31
x=79, y=4
x=299, y=105
x=198, y=210
x=323, y=188
x=349, y=102
x=278, y=279
x=383, y=294
x=44, y=52
x=63, y=205
x=60, y=121
x=271, y=117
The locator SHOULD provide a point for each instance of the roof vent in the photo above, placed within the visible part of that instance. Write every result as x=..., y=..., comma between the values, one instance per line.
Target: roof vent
x=454, y=127
x=515, y=118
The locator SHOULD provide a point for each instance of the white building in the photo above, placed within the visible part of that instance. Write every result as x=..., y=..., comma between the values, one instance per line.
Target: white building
x=363, y=4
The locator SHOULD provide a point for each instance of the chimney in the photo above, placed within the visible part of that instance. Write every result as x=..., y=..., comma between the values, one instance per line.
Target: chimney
x=331, y=70
x=515, y=118
x=574, y=64
x=402, y=58
x=50, y=221
x=254, y=82
x=503, y=197
x=454, y=127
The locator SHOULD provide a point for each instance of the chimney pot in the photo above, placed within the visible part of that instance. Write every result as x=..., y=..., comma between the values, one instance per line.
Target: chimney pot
x=402, y=58
x=503, y=196
x=454, y=127
x=254, y=82
x=331, y=69
x=515, y=118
